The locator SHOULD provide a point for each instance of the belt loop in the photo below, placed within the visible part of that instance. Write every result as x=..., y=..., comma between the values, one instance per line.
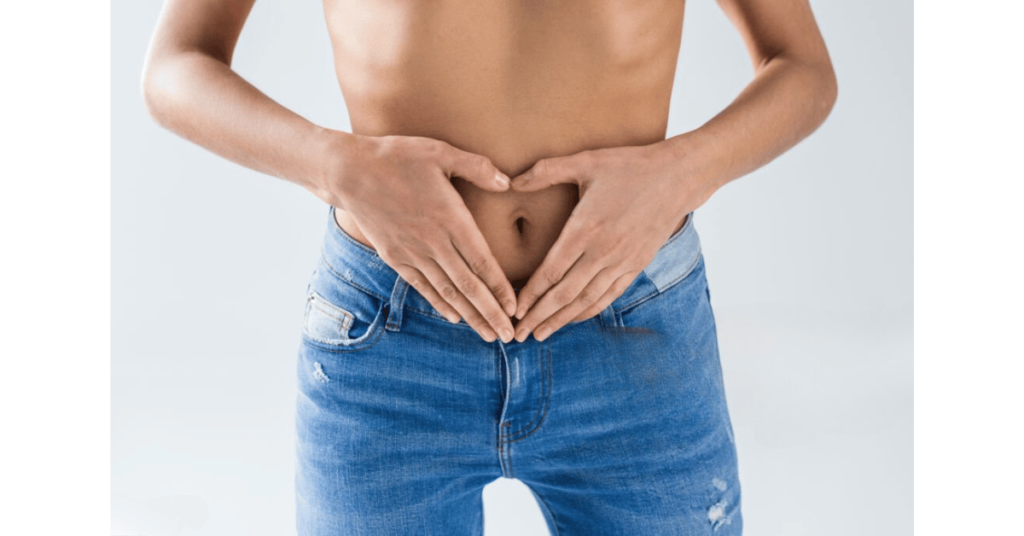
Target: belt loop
x=397, y=303
x=609, y=318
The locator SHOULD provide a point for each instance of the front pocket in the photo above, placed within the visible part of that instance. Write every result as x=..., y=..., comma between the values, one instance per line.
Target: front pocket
x=672, y=305
x=325, y=321
x=347, y=320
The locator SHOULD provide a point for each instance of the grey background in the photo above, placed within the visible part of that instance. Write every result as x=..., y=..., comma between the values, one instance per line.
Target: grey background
x=809, y=261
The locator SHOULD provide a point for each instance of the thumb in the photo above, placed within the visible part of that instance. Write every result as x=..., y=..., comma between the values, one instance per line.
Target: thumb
x=546, y=172
x=476, y=169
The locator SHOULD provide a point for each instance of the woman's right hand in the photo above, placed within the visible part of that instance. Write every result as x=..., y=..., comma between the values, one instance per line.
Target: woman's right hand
x=398, y=190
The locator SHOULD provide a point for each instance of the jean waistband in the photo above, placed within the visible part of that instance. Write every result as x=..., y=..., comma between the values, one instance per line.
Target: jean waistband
x=361, y=266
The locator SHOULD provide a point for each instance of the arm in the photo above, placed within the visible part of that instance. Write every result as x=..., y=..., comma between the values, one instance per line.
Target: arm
x=190, y=89
x=632, y=198
x=793, y=91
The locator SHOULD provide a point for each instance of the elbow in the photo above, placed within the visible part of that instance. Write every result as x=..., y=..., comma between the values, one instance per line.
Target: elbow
x=152, y=96
x=828, y=91
x=159, y=84
x=817, y=77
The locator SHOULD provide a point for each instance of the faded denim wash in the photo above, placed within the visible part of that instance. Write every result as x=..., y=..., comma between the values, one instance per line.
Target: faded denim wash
x=617, y=424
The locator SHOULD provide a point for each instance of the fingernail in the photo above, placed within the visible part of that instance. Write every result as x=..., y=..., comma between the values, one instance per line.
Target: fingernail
x=541, y=334
x=520, y=313
x=506, y=335
x=501, y=178
x=510, y=308
x=453, y=318
x=521, y=335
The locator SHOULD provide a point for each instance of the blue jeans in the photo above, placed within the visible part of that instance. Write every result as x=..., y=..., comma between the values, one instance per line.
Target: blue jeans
x=617, y=424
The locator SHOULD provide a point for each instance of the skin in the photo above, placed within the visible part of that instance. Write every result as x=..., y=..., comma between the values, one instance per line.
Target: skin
x=450, y=101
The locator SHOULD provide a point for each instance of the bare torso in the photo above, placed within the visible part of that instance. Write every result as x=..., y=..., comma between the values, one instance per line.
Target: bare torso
x=514, y=81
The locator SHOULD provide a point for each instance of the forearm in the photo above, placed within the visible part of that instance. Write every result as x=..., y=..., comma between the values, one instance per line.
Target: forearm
x=786, y=102
x=203, y=100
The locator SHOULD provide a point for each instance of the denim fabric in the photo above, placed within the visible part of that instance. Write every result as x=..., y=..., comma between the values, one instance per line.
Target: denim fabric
x=617, y=424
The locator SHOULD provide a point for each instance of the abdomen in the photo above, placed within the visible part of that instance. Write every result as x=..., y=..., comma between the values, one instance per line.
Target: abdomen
x=513, y=81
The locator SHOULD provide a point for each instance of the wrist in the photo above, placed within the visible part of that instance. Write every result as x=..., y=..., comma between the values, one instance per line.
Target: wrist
x=692, y=165
x=336, y=152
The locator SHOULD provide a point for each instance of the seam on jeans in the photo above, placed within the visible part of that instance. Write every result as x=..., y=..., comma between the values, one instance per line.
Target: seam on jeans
x=549, y=384
x=501, y=455
x=502, y=364
x=508, y=455
x=317, y=345
x=434, y=316
x=440, y=319
x=501, y=397
x=641, y=299
x=334, y=272
x=505, y=458
x=508, y=460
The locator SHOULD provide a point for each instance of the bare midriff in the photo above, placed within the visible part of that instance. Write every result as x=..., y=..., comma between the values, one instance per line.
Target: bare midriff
x=511, y=80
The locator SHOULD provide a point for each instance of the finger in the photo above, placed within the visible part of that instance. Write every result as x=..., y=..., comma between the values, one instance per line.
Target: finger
x=561, y=294
x=548, y=172
x=418, y=281
x=566, y=250
x=590, y=294
x=450, y=293
x=474, y=249
x=476, y=169
x=617, y=288
x=484, y=305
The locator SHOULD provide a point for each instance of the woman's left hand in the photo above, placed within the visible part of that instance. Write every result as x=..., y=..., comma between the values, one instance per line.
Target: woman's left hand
x=631, y=201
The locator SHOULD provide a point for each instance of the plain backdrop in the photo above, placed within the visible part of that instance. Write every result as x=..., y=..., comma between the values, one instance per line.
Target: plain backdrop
x=809, y=259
